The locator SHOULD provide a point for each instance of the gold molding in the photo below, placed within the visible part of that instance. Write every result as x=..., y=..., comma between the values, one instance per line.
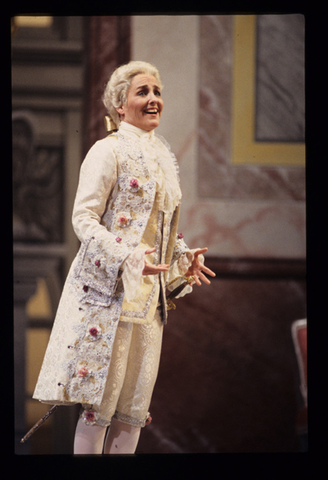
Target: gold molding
x=35, y=21
x=245, y=150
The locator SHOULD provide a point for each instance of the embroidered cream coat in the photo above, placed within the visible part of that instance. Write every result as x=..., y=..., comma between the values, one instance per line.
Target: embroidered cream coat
x=115, y=202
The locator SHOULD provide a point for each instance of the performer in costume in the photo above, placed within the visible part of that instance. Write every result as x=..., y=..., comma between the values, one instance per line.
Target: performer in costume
x=105, y=345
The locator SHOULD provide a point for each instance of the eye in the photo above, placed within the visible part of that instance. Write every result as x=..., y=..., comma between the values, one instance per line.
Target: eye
x=157, y=93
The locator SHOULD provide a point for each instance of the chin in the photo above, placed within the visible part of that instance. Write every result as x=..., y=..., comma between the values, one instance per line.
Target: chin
x=152, y=125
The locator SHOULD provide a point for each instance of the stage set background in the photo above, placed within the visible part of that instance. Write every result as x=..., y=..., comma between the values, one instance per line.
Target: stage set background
x=234, y=116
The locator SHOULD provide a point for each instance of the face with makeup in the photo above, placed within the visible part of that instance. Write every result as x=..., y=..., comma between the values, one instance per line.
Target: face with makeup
x=144, y=104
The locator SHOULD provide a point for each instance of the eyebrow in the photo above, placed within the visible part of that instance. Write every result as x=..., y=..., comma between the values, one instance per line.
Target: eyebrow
x=146, y=85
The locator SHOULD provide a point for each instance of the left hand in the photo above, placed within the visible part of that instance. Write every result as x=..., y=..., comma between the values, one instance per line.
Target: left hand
x=196, y=269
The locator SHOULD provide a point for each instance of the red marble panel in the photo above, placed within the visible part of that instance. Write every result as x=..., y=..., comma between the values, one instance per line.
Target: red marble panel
x=107, y=40
x=228, y=373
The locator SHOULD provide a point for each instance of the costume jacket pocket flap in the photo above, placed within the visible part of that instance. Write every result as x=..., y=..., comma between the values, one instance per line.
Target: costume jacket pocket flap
x=96, y=274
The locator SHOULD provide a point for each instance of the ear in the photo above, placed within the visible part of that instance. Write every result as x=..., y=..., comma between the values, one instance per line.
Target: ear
x=120, y=110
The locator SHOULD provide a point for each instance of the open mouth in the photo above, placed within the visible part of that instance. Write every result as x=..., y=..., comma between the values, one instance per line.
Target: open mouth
x=151, y=112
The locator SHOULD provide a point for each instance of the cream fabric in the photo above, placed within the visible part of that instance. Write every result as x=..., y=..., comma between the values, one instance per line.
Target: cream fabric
x=132, y=273
x=132, y=373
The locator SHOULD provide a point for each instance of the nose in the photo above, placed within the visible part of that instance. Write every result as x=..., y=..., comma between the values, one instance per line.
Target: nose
x=152, y=98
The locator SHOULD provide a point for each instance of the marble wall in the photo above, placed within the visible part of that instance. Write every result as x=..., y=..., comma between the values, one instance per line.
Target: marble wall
x=228, y=375
x=236, y=210
x=171, y=43
x=280, y=106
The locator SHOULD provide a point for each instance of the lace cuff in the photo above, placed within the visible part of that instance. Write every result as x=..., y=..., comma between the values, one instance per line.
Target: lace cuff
x=132, y=273
x=180, y=267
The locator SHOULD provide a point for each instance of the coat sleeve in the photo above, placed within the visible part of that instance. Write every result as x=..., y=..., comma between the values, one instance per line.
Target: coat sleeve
x=101, y=255
x=98, y=176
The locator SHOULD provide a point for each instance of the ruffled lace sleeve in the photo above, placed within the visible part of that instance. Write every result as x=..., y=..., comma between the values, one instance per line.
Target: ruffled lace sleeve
x=179, y=268
x=132, y=272
x=134, y=265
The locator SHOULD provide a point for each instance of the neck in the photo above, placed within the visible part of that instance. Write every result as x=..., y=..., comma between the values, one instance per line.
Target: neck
x=133, y=129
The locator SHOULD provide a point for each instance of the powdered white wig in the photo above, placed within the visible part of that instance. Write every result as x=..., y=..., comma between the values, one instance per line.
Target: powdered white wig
x=116, y=91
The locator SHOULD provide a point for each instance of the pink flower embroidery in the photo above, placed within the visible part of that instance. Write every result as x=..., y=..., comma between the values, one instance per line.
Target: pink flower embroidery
x=123, y=220
x=134, y=184
x=180, y=235
x=97, y=263
x=149, y=419
x=89, y=417
x=83, y=372
x=118, y=239
x=93, y=331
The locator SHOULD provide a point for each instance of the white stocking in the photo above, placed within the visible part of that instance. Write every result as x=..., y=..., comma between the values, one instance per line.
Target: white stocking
x=121, y=438
x=89, y=439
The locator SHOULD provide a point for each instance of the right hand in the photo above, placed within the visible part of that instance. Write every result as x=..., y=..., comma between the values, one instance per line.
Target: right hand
x=150, y=269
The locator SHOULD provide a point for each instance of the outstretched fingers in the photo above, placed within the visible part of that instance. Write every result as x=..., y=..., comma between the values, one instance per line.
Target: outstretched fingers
x=151, y=269
x=200, y=252
x=197, y=269
x=208, y=271
x=149, y=251
x=204, y=278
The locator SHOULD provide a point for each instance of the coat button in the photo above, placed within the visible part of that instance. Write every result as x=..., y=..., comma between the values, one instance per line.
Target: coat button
x=85, y=288
x=97, y=263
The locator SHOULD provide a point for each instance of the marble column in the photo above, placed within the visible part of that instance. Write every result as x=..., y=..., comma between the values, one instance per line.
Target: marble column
x=107, y=43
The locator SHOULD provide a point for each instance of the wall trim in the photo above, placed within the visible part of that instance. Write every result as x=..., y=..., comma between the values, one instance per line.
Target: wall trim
x=265, y=268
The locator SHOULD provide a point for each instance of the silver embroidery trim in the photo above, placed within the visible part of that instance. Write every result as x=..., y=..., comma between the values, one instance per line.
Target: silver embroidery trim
x=90, y=389
x=179, y=248
x=130, y=420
